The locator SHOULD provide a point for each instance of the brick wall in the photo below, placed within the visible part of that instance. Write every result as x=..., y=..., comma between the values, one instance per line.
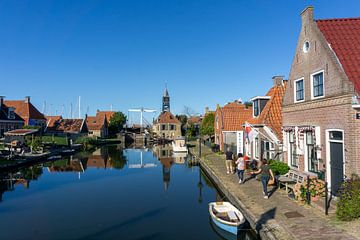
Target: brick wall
x=334, y=111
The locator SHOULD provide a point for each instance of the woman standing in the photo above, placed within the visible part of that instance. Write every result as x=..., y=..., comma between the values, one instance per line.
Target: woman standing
x=240, y=165
x=266, y=172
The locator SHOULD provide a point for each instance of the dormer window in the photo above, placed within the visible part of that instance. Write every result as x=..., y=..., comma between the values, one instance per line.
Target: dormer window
x=11, y=113
x=259, y=103
x=256, y=108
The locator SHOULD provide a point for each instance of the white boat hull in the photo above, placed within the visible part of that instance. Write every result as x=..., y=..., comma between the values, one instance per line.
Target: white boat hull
x=231, y=227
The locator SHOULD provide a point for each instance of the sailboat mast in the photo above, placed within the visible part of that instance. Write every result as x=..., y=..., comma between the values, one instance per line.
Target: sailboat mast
x=79, y=107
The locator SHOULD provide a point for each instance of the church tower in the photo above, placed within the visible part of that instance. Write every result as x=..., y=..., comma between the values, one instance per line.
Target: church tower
x=166, y=101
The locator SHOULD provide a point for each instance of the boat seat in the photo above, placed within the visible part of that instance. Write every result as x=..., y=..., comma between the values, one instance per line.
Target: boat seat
x=232, y=216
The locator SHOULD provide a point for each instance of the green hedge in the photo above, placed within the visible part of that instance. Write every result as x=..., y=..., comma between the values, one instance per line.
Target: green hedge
x=348, y=207
x=278, y=168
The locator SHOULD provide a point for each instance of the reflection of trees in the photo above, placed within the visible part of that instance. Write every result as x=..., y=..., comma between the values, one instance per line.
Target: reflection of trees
x=32, y=173
x=117, y=157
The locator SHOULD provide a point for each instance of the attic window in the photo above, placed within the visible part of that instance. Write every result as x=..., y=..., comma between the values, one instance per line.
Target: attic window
x=259, y=103
x=11, y=113
x=306, y=47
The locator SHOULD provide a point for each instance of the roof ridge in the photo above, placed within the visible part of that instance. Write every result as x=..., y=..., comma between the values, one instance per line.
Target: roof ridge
x=337, y=19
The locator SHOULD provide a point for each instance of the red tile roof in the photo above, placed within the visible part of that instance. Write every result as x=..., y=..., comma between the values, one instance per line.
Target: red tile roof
x=343, y=35
x=271, y=115
x=51, y=120
x=97, y=122
x=68, y=126
x=25, y=110
x=167, y=117
x=21, y=132
x=195, y=120
x=233, y=115
x=107, y=114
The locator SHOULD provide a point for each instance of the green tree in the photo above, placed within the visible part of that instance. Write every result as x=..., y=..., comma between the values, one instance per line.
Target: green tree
x=183, y=119
x=191, y=131
x=207, y=124
x=117, y=122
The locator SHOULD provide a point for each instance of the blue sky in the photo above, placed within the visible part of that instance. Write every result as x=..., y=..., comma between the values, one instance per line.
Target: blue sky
x=121, y=53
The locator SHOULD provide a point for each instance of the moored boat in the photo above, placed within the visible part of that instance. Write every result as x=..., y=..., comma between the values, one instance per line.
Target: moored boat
x=226, y=216
x=179, y=145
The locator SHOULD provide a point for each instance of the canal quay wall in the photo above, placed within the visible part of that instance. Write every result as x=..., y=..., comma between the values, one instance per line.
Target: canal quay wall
x=275, y=218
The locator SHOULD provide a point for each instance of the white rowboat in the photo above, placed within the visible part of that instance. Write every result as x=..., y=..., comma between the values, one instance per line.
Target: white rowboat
x=226, y=216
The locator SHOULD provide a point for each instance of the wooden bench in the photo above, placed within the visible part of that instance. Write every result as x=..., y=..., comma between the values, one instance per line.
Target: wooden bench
x=290, y=179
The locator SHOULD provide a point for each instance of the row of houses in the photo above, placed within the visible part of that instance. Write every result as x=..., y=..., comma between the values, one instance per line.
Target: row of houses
x=312, y=120
x=15, y=114
x=92, y=126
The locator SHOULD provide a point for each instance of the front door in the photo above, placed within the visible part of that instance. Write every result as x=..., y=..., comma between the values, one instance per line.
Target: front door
x=336, y=160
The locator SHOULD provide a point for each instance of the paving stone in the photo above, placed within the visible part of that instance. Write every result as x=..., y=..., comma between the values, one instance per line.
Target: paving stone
x=314, y=224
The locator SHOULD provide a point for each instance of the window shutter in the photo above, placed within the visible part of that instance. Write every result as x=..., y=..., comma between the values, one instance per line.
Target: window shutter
x=285, y=141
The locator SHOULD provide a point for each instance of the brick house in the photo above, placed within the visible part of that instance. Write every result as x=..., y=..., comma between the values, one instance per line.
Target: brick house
x=27, y=111
x=321, y=108
x=9, y=120
x=267, y=120
x=97, y=125
x=229, y=125
x=105, y=114
x=167, y=126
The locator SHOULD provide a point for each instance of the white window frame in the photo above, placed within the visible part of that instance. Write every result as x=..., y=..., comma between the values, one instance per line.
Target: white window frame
x=295, y=81
x=253, y=103
x=312, y=84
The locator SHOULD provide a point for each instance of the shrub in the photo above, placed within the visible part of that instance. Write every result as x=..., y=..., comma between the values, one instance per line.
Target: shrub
x=348, y=207
x=278, y=168
x=316, y=188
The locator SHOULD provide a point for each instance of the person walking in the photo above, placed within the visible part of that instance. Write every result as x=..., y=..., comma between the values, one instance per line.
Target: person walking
x=229, y=160
x=265, y=174
x=240, y=167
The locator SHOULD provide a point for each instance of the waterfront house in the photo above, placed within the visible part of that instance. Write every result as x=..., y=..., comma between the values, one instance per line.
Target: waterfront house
x=105, y=114
x=267, y=120
x=321, y=108
x=229, y=122
x=167, y=126
x=97, y=125
x=72, y=128
x=27, y=111
x=9, y=119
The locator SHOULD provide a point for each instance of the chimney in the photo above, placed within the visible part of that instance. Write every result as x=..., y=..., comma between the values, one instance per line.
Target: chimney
x=1, y=100
x=206, y=109
x=27, y=99
x=278, y=80
x=307, y=15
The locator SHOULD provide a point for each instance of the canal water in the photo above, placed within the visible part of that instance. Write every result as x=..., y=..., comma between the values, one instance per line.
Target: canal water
x=109, y=194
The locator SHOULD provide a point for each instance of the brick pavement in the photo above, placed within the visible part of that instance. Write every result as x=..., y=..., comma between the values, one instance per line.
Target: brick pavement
x=268, y=216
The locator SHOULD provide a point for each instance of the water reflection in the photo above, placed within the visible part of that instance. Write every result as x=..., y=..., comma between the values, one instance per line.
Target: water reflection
x=109, y=157
x=139, y=173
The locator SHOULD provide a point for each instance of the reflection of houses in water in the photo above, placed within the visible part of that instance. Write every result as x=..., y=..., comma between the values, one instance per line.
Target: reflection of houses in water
x=180, y=158
x=68, y=165
x=165, y=155
x=99, y=159
x=9, y=181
